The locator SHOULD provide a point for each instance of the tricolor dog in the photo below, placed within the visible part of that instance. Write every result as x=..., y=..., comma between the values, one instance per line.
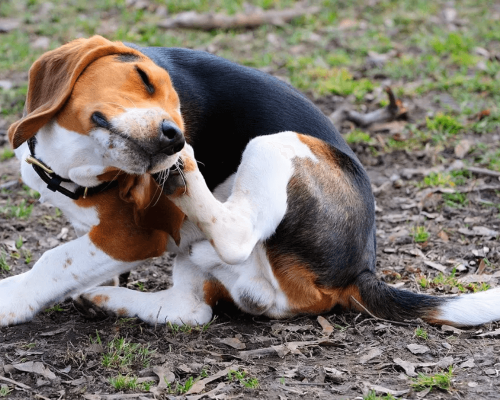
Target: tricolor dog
x=153, y=149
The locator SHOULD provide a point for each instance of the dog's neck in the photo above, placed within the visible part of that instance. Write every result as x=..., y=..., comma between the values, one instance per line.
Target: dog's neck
x=70, y=155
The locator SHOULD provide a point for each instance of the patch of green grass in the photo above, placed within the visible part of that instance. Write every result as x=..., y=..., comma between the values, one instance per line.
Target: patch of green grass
x=490, y=159
x=33, y=194
x=127, y=382
x=6, y=154
x=55, y=308
x=438, y=179
x=445, y=124
x=122, y=354
x=421, y=333
x=452, y=281
x=21, y=211
x=455, y=200
x=357, y=136
x=19, y=242
x=243, y=379
x=175, y=329
x=4, y=391
x=27, y=256
x=420, y=234
x=372, y=395
x=305, y=74
x=181, y=388
x=423, y=281
x=441, y=381
x=4, y=267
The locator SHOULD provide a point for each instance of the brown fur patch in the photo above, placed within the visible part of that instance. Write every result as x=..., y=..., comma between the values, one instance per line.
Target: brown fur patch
x=135, y=219
x=99, y=300
x=189, y=164
x=298, y=283
x=121, y=312
x=214, y=291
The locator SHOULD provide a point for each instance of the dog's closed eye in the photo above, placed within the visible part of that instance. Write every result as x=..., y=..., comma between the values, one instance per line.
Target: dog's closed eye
x=145, y=79
x=100, y=120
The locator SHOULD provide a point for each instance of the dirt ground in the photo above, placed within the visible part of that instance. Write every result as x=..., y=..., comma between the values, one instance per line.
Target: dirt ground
x=437, y=230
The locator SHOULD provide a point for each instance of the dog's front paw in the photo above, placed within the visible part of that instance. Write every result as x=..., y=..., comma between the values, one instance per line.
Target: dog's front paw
x=17, y=305
x=177, y=307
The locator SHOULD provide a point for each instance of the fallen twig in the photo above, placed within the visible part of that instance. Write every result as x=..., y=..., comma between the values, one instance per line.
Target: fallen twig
x=392, y=111
x=257, y=17
x=21, y=385
x=483, y=171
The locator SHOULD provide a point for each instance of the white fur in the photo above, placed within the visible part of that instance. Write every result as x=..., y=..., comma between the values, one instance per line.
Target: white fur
x=181, y=304
x=258, y=200
x=472, y=309
x=60, y=273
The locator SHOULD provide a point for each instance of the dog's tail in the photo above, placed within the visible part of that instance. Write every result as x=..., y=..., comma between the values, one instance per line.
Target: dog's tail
x=389, y=303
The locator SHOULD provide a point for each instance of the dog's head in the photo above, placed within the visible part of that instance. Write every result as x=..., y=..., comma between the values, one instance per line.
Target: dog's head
x=123, y=103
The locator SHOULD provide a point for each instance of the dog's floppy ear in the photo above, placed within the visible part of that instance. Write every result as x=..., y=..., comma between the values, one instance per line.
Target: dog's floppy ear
x=152, y=209
x=51, y=80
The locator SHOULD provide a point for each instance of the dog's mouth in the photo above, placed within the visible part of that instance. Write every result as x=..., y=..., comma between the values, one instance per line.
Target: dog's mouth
x=135, y=156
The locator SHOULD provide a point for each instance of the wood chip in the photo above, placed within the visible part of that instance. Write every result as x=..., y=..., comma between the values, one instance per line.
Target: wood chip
x=417, y=348
x=327, y=327
x=384, y=390
x=462, y=148
x=375, y=352
x=434, y=265
x=235, y=343
x=468, y=364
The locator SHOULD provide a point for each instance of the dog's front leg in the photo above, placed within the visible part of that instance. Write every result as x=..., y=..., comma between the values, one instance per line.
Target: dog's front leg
x=60, y=273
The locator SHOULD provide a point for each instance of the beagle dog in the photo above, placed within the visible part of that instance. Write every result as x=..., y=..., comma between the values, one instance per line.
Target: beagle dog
x=238, y=173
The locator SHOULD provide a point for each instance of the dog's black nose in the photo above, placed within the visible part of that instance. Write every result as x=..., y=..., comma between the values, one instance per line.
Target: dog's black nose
x=171, y=138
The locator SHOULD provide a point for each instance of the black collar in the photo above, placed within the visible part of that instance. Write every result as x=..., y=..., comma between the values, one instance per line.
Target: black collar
x=53, y=180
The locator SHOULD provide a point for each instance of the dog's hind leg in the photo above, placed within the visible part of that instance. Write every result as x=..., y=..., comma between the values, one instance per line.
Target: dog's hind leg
x=258, y=199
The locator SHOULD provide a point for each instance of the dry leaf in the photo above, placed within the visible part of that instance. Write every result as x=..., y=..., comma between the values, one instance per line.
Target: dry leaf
x=327, y=327
x=200, y=385
x=164, y=375
x=407, y=366
x=443, y=236
x=37, y=368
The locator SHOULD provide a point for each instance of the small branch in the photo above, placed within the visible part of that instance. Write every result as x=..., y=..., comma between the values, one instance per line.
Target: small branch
x=483, y=171
x=21, y=385
x=392, y=111
x=193, y=20
x=381, y=319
